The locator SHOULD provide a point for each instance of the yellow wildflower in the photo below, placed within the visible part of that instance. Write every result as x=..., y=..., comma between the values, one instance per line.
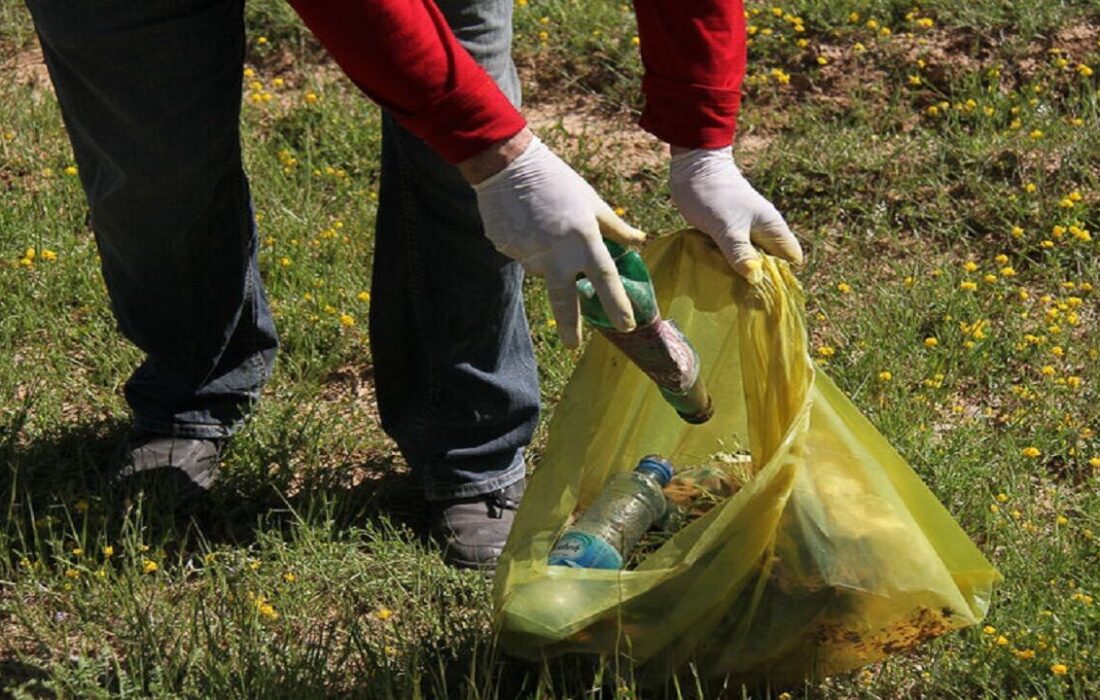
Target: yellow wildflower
x=266, y=609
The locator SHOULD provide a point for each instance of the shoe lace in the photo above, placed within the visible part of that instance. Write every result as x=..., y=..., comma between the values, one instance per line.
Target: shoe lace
x=498, y=502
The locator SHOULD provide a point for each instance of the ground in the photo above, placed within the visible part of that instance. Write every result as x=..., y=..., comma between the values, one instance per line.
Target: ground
x=940, y=164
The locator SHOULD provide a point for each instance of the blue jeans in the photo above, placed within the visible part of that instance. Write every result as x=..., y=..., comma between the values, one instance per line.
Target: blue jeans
x=150, y=93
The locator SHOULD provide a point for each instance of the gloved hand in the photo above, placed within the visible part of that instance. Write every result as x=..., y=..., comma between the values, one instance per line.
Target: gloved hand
x=539, y=211
x=714, y=197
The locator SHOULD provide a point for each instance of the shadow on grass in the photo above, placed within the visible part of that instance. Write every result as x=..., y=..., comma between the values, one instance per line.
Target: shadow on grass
x=17, y=675
x=62, y=480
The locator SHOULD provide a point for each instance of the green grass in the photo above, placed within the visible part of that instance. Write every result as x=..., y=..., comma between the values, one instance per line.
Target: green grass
x=310, y=578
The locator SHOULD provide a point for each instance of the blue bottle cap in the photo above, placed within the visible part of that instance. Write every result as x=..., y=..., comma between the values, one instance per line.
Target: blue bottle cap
x=661, y=469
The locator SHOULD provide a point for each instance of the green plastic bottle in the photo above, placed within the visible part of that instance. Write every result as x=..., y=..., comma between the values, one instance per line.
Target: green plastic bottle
x=656, y=346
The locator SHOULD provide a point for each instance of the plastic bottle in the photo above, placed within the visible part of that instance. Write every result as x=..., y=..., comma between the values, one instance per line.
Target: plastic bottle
x=656, y=346
x=628, y=505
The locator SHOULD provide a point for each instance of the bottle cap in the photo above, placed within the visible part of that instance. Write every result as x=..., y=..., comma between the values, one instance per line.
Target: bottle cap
x=660, y=468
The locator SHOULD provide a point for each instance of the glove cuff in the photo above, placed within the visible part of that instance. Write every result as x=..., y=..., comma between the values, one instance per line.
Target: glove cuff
x=534, y=151
x=700, y=162
x=698, y=154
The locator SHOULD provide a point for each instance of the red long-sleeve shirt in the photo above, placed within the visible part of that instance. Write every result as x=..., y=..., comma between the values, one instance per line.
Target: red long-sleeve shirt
x=403, y=55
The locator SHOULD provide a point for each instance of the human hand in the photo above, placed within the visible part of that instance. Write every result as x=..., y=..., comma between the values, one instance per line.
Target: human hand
x=714, y=197
x=539, y=211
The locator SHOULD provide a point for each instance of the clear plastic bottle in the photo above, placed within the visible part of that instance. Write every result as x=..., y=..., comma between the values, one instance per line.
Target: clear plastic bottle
x=629, y=504
x=656, y=346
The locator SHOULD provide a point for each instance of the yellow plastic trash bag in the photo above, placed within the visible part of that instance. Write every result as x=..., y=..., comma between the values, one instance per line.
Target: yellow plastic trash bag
x=833, y=555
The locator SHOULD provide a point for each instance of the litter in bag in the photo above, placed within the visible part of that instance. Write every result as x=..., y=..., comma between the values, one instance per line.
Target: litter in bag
x=831, y=556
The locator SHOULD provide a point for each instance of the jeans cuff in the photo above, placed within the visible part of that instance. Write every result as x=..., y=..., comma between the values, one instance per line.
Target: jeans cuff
x=184, y=430
x=443, y=491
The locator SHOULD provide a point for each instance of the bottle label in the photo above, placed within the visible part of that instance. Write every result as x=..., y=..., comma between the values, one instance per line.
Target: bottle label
x=662, y=352
x=583, y=551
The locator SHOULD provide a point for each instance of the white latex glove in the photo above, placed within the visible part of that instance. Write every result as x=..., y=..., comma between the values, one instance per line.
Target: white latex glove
x=539, y=211
x=714, y=197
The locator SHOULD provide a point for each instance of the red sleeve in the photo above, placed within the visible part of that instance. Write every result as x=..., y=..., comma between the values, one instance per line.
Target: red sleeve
x=402, y=54
x=694, y=56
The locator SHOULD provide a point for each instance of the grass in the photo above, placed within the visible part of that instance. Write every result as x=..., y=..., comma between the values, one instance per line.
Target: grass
x=943, y=178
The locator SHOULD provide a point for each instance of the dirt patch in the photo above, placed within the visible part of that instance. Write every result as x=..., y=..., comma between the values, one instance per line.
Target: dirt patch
x=947, y=55
x=576, y=125
x=1073, y=43
x=28, y=68
x=1077, y=41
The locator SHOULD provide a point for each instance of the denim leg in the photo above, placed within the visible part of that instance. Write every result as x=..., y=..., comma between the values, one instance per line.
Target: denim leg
x=150, y=93
x=454, y=367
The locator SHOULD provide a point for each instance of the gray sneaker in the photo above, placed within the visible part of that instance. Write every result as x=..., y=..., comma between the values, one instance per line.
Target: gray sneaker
x=167, y=467
x=473, y=530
